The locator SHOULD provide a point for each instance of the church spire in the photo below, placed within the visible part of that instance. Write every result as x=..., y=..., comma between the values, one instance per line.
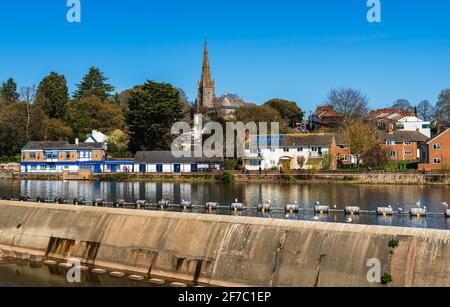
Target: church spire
x=205, y=95
x=206, y=80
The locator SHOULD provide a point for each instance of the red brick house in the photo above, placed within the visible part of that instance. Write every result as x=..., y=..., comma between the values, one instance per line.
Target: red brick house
x=325, y=117
x=401, y=145
x=435, y=153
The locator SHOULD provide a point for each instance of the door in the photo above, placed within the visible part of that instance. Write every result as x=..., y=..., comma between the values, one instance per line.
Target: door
x=159, y=168
x=194, y=168
x=142, y=168
x=177, y=168
x=97, y=169
x=113, y=168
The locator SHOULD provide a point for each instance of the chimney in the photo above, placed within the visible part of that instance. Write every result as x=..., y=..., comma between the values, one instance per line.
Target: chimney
x=390, y=129
x=77, y=141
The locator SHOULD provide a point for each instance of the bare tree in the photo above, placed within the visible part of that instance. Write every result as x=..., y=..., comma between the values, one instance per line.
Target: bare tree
x=28, y=95
x=402, y=105
x=349, y=102
x=442, y=111
x=425, y=110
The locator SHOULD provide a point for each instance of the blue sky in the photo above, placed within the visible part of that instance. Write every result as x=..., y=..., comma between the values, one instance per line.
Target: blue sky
x=261, y=49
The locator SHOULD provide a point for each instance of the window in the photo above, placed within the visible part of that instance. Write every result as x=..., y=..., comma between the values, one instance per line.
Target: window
x=392, y=154
x=300, y=149
x=408, y=153
x=67, y=155
x=43, y=167
x=33, y=167
x=343, y=157
x=407, y=143
x=342, y=147
x=32, y=156
x=66, y=167
x=286, y=149
x=426, y=126
x=314, y=149
x=51, y=155
x=52, y=167
x=390, y=143
x=254, y=163
x=273, y=162
x=400, y=127
x=437, y=161
x=437, y=147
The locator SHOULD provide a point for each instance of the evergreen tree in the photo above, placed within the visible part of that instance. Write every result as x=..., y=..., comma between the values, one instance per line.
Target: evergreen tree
x=8, y=91
x=94, y=85
x=52, y=96
x=288, y=110
x=13, y=136
x=152, y=109
x=91, y=113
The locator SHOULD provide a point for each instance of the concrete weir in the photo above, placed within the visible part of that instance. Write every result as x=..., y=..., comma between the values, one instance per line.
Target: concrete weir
x=225, y=250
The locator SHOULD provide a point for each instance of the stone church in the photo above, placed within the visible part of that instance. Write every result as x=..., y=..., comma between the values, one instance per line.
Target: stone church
x=207, y=101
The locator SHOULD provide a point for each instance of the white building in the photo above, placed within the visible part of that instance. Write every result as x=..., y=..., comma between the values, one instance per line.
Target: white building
x=96, y=137
x=165, y=162
x=413, y=123
x=302, y=151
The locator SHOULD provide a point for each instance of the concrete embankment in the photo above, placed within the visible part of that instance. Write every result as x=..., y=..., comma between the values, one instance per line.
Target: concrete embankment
x=357, y=178
x=225, y=250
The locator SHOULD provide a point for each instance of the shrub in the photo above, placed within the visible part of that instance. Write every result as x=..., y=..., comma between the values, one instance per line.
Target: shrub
x=393, y=243
x=326, y=161
x=227, y=177
x=386, y=279
x=231, y=164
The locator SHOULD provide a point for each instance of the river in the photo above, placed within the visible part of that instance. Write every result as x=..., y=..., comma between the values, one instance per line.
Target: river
x=368, y=197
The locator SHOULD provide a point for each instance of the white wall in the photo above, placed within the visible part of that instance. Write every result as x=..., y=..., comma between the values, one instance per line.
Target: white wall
x=412, y=123
x=37, y=169
x=271, y=158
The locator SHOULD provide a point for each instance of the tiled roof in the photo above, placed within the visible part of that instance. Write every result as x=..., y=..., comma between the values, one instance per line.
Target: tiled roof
x=322, y=139
x=48, y=145
x=400, y=136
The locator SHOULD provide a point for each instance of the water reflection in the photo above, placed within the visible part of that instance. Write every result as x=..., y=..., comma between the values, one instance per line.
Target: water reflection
x=30, y=274
x=368, y=197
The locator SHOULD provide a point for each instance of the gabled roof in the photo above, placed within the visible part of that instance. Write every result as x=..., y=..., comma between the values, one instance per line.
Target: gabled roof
x=401, y=136
x=293, y=140
x=438, y=136
x=315, y=139
x=48, y=145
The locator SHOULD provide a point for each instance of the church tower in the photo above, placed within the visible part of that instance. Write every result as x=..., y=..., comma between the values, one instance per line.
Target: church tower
x=205, y=95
